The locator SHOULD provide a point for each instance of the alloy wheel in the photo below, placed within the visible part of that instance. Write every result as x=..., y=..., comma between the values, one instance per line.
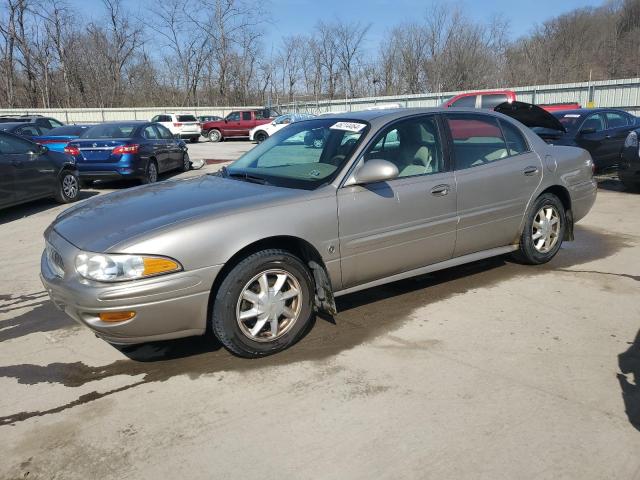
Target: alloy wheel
x=70, y=186
x=545, y=229
x=269, y=305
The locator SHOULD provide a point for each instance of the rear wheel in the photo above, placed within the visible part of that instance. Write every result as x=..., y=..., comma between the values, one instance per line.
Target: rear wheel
x=68, y=188
x=151, y=174
x=186, y=162
x=215, y=135
x=264, y=304
x=543, y=231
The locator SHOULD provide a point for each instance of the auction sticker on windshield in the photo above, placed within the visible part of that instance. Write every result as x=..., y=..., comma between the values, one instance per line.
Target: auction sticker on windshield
x=348, y=126
x=572, y=115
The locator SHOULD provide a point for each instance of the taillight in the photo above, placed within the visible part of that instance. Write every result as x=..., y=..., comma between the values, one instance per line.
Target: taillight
x=125, y=149
x=177, y=124
x=72, y=150
x=198, y=124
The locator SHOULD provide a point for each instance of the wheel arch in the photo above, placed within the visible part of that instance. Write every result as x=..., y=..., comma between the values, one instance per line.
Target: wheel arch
x=563, y=194
x=297, y=246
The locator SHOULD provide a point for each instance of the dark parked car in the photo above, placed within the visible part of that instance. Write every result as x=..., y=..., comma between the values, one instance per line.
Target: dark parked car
x=43, y=123
x=29, y=171
x=58, y=138
x=600, y=131
x=26, y=130
x=128, y=150
x=629, y=171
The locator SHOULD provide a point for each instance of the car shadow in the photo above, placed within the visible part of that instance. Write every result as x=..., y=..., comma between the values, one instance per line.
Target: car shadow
x=27, y=209
x=629, y=364
x=362, y=317
x=123, y=184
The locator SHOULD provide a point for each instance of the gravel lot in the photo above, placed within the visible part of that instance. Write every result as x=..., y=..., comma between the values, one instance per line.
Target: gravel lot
x=492, y=370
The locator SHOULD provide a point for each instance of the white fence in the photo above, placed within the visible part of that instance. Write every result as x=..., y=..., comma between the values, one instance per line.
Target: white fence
x=624, y=93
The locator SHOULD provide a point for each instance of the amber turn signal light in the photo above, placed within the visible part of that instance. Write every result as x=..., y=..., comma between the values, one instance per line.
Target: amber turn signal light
x=116, y=316
x=154, y=266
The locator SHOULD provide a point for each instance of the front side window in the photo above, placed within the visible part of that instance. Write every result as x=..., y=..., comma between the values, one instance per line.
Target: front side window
x=303, y=155
x=469, y=102
x=412, y=145
x=477, y=140
x=616, y=120
x=234, y=117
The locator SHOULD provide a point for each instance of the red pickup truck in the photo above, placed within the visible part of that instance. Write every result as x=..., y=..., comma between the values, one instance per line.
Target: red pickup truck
x=492, y=99
x=237, y=124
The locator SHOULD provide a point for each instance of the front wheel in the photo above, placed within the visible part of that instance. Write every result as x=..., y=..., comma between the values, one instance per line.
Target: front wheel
x=264, y=304
x=543, y=231
x=68, y=188
x=215, y=135
x=260, y=137
x=186, y=163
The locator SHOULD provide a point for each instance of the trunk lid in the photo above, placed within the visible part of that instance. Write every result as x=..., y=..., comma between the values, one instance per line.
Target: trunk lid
x=98, y=150
x=531, y=115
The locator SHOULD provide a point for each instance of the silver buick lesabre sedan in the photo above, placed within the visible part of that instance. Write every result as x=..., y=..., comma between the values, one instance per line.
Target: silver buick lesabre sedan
x=323, y=208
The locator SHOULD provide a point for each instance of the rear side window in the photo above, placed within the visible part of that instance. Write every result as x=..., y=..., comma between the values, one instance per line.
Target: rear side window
x=149, y=132
x=595, y=122
x=516, y=144
x=616, y=120
x=28, y=130
x=469, y=101
x=13, y=145
x=246, y=115
x=186, y=118
x=492, y=101
x=477, y=140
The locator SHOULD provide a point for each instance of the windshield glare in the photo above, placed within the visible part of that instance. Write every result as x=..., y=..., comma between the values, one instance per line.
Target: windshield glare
x=306, y=154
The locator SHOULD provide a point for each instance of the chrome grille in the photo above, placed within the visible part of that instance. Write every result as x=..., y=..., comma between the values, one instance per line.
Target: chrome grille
x=54, y=259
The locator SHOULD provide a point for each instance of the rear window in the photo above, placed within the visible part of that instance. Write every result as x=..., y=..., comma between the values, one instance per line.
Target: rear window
x=569, y=120
x=469, y=101
x=187, y=118
x=492, y=101
x=69, y=130
x=118, y=130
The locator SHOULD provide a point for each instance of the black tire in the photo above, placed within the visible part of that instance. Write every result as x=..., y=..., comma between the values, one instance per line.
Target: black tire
x=194, y=139
x=527, y=252
x=260, y=136
x=630, y=185
x=214, y=135
x=223, y=321
x=68, y=189
x=151, y=173
x=186, y=163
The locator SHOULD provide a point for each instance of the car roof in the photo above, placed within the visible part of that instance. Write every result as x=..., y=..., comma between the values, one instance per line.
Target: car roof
x=4, y=125
x=585, y=111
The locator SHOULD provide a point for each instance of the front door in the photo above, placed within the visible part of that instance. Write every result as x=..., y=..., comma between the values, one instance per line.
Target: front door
x=33, y=172
x=405, y=223
x=496, y=176
x=172, y=144
x=591, y=137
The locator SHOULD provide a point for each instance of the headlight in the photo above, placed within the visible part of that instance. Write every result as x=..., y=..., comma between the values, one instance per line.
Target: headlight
x=118, y=268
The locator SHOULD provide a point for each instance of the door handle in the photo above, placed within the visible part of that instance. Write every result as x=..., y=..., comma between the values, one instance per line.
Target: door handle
x=530, y=171
x=440, y=190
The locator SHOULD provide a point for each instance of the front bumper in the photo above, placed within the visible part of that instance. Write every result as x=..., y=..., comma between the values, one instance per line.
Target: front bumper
x=168, y=306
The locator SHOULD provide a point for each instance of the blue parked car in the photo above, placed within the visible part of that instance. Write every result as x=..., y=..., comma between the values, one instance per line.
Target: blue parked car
x=58, y=138
x=128, y=150
x=25, y=130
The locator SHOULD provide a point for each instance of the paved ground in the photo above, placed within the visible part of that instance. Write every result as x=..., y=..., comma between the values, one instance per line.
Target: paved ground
x=492, y=370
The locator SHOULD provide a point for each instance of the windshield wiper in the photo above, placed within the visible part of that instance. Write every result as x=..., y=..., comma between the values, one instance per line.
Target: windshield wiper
x=246, y=177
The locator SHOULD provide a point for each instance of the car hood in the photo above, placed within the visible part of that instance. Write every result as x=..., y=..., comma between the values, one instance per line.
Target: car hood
x=103, y=222
x=530, y=115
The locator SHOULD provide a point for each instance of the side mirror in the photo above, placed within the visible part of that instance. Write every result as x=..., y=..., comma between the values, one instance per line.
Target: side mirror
x=376, y=170
x=587, y=131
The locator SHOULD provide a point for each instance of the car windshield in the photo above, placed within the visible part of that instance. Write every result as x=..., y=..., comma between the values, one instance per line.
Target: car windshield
x=569, y=120
x=305, y=155
x=110, y=130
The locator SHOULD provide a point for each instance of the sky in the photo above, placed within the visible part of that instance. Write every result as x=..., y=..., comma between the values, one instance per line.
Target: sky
x=291, y=17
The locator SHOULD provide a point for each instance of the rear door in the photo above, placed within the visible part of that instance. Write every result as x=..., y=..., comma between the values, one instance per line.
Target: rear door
x=247, y=122
x=496, y=175
x=157, y=147
x=592, y=137
x=174, y=149
x=33, y=174
x=405, y=223
x=619, y=124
